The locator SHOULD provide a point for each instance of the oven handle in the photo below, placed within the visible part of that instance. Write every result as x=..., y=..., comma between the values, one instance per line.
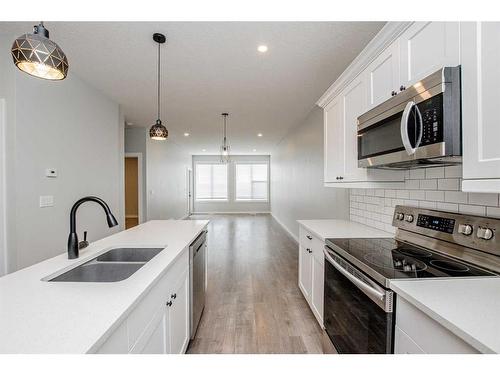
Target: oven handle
x=404, y=128
x=370, y=291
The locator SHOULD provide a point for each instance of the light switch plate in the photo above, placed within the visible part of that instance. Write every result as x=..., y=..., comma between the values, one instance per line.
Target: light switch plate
x=46, y=201
x=51, y=172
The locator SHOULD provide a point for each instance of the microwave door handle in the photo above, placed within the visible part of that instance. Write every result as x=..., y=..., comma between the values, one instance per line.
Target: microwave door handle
x=367, y=289
x=405, y=138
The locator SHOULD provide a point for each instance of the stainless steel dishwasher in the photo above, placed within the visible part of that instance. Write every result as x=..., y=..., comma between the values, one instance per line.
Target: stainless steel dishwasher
x=197, y=274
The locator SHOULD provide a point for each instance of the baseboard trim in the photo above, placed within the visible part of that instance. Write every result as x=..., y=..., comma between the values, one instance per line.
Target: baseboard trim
x=232, y=213
x=294, y=237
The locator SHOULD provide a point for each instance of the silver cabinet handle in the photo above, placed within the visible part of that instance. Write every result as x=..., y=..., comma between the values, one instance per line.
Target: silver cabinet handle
x=404, y=128
x=367, y=289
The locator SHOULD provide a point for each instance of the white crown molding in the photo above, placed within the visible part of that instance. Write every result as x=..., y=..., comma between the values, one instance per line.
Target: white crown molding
x=389, y=33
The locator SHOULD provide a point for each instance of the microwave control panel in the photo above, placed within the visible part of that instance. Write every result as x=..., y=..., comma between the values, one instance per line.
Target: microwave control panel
x=432, y=118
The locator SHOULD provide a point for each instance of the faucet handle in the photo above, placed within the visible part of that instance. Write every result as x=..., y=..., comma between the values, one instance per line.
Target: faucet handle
x=83, y=244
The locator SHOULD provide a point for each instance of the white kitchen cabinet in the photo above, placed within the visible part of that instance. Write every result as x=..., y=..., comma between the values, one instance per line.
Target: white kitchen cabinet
x=333, y=140
x=160, y=323
x=426, y=47
x=416, y=332
x=311, y=271
x=341, y=147
x=178, y=317
x=480, y=82
x=382, y=76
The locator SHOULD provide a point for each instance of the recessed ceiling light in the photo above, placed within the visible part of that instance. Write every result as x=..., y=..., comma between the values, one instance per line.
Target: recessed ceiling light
x=262, y=48
x=254, y=150
x=203, y=150
x=186, y=134
x=259, y=135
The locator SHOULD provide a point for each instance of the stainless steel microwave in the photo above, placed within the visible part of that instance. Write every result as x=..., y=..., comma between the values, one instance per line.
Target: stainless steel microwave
x=419, y=127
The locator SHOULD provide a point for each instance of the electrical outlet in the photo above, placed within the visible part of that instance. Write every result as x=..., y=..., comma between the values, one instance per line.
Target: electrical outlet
x=46, y=201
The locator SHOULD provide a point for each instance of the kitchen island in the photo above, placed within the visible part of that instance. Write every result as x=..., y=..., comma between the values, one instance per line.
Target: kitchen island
x=38, y=316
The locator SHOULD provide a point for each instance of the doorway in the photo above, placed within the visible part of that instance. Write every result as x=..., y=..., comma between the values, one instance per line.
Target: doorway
x=189, y=191
x=133, y=189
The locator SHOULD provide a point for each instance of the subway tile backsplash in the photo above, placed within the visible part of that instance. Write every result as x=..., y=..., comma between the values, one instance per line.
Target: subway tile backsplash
x=433, y=188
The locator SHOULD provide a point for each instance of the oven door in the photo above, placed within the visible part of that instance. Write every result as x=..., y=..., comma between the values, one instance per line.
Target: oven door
x=358, y=312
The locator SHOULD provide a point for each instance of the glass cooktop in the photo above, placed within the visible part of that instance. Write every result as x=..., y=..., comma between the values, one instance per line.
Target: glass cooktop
x=393, y=259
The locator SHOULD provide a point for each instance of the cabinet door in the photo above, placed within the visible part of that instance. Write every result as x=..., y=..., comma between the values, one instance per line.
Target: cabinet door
x=318, y=279
x=334, y=140
x=480, y=83
x=354, y=102
x=179, y=318
x=305, y=277
x=403, y=344
x=157, y=342
x=426, y=47
x=382, y=75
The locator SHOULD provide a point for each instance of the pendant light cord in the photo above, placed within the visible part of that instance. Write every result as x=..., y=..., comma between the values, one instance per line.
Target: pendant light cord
x=158, y=81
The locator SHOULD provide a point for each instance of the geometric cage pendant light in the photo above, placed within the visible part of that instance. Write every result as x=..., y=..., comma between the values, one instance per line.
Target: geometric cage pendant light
x=158, y=132
x=39, y=56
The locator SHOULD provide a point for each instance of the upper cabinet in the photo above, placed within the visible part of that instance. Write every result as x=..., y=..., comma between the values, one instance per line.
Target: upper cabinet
x=400, y=55
x=480, y=82
x=426, y=47
x=382, y=76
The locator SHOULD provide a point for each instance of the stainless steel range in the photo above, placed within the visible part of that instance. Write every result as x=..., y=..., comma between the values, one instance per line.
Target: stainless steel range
x=359, y=305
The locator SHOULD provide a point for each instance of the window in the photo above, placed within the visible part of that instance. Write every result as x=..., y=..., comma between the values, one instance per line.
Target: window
x=211, y=182
x=251, y=182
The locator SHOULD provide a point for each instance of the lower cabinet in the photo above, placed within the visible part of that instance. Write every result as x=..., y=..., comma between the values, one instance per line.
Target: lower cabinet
x=311, y=271
x=160, y=324
x=416, y=332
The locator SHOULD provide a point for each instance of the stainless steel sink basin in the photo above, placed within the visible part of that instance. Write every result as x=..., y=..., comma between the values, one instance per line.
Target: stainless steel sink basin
x=114, y=265
x=129, y=254
x=100, y=272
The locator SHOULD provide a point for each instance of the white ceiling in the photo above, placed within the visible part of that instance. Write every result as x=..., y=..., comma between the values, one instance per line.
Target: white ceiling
x=209, y=68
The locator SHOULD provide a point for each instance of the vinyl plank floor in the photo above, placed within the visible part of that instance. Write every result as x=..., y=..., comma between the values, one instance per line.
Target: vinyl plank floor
x=253, y=302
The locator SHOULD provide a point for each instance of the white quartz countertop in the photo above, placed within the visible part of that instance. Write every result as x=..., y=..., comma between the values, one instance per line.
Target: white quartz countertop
x=470, y=308
x=68, y=317
x=334, y=228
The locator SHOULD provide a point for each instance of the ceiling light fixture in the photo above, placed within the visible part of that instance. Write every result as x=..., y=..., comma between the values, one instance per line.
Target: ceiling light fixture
x=224, y=148
x=158, y=132
x=39, y=56
x=186, y=134
x=203, y=150
x=262, y=48
x=254, y=150
x=259, y=135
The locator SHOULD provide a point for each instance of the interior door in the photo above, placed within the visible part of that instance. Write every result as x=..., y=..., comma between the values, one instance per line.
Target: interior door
x=480, y=83
x=334, y=140
x=382, y=75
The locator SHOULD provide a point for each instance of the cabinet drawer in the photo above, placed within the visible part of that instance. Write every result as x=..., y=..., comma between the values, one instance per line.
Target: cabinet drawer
x=428, y=334
x=142, y=315
x=305, y=237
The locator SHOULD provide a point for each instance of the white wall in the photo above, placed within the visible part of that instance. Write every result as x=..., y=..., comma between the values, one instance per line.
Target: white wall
x=67, y=125
x=297, y=178
x=231, y=205
x=167, y=165
x=431, y=188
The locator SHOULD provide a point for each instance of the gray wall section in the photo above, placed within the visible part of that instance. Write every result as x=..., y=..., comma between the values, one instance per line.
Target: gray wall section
x=297, y=178
x=67, y=125
x=136, y=141
x=231, y=205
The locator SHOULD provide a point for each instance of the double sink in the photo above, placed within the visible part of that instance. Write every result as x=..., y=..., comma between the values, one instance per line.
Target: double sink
x=114, y=265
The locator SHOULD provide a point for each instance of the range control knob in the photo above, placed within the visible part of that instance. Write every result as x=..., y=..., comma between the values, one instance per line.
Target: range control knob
x=484, y=233
x=409, y=218
x=465, y=229
x=400, y=216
